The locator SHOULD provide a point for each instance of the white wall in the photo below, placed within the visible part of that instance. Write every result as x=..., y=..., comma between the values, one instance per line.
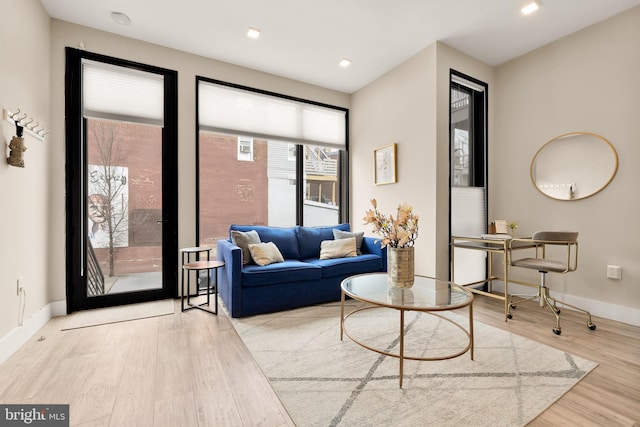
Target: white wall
x=588, y=82
x=399, y=107
x=24, y=193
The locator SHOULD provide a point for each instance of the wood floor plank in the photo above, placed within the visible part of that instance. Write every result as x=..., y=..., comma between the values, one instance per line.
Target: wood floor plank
x=100, y=422
x=177, y=410
x=95, y=399
x=174, y=370
x=213, y=396
x=250, y=388
x=135, y=398
x=41, y=362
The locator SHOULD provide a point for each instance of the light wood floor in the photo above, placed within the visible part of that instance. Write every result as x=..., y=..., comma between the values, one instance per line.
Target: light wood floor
x=191, y=369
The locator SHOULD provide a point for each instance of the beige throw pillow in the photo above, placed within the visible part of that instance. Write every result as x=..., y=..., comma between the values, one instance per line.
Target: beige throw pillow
x=341, y=248
x=359, y=235
x=265, y=253
x=243, y=239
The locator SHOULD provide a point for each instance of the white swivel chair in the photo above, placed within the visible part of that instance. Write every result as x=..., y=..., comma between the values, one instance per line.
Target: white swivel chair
x=568, y=263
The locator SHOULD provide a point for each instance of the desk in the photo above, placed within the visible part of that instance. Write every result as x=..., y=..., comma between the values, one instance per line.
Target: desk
x=491, y=247
x=428, y=295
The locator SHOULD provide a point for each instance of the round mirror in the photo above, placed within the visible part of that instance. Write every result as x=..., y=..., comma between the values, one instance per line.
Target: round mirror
x=574, y=166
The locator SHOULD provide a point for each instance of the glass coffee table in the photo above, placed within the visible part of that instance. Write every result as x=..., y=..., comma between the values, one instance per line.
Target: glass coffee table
x=428, y=295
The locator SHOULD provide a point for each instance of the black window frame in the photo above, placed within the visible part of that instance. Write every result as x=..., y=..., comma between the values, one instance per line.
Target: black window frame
x=76, y=185
x=479, y=173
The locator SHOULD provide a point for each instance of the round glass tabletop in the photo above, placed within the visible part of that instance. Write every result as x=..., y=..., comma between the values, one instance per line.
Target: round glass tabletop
x=427, y=293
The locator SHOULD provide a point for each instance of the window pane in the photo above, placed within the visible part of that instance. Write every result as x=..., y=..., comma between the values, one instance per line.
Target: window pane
x=460, y=107
x=124, y=188
x=321, y=187
x=236, y=191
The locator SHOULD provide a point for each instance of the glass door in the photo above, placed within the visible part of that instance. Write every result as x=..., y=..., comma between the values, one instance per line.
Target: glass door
x=121, y=182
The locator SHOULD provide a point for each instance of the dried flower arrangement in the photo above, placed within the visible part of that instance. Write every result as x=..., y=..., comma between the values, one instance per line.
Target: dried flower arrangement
x=398, y=232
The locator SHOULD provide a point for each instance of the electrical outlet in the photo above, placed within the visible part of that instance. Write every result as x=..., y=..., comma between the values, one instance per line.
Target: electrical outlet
x=18, y=285
x=614, y=272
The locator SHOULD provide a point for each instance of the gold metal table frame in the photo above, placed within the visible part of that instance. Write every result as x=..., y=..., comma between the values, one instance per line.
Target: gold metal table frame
x=368, y=288
x=491, y=246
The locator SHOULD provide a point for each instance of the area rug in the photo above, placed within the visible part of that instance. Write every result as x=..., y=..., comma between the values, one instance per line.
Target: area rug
x=123, y=313
x=323, y=381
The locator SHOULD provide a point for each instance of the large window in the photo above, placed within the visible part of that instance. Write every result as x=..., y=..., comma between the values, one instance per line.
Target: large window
x=266, y=159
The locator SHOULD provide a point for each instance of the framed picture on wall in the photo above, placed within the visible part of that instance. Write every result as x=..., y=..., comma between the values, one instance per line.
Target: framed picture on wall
x=384, y=164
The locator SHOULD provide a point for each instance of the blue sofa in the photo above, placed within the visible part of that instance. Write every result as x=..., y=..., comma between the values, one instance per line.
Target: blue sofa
x=302, y=279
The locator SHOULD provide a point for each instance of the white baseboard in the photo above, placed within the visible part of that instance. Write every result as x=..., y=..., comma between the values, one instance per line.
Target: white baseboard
x=11, y=342
x=58, y=308
x=618, y=313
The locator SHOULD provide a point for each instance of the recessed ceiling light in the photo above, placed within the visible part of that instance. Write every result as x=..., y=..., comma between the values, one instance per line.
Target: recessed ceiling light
x=344, y=63
x=530, y=8
x=120, y=18
x=254, y=33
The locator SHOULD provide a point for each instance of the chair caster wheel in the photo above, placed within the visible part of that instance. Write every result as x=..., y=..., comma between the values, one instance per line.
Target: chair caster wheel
x=557, y=331
x=557, y=310
x=509, y=316
x=512, y=305
x=591, y=326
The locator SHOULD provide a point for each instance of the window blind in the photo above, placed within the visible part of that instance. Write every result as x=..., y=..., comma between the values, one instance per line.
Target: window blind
x=120, y=93
x=468, y=218
x=238, y=111
x=467, y=83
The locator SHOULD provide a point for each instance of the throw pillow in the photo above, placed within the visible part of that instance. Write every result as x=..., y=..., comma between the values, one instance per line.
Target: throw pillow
x=243, y=239
x=339, y=234
x=309, y=238
x=265, y=253
x=341, y=248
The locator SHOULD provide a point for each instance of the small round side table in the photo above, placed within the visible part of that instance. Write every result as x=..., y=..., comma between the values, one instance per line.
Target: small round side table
x=199, y=266
x=186, y=259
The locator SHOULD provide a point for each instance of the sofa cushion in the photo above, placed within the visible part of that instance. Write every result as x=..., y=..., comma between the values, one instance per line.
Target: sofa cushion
x=309, y=238
x=282, y=272
x=283, y=237
x=243, y=239
x=348, y=266
x=340, y=248
x=265, y=253
x=359, y=235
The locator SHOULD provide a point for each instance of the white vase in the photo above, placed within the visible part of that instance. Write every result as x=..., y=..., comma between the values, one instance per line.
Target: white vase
x=400, y=267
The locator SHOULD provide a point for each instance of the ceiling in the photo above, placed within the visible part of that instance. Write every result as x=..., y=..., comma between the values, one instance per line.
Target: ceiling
x=305, y=39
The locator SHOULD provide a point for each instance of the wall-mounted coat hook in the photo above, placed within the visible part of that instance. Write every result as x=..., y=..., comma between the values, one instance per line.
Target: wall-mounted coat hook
x=23, y=122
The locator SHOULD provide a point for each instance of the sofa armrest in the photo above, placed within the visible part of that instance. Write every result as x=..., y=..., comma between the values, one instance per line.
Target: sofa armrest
x=230, y=288
x=371, y=245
